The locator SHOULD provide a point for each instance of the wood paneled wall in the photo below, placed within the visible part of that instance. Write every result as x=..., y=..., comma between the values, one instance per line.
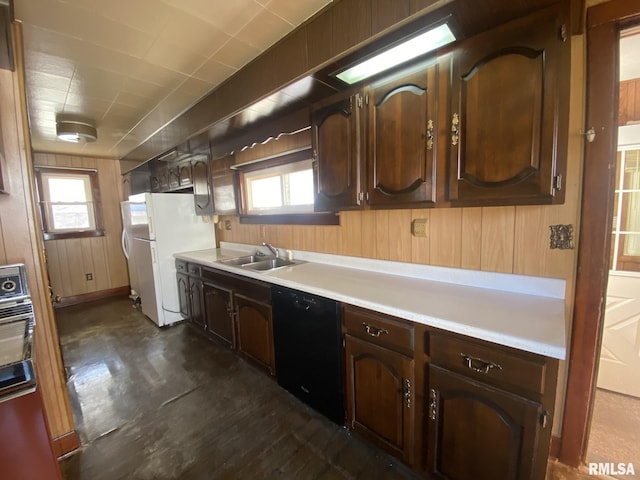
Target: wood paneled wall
x=20, y=242
x=69, y=260
x=629, y=108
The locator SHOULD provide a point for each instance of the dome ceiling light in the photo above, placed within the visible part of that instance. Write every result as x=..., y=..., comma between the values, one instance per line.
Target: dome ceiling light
x=76, y=131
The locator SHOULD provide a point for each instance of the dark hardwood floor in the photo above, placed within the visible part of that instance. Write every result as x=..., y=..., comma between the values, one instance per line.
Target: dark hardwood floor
x=159, y=404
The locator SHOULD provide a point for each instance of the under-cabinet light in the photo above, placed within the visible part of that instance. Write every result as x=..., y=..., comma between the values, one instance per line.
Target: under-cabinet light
x=425, y=42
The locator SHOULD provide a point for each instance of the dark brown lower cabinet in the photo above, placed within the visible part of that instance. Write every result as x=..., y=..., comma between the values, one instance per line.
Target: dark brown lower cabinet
x=255, y=331
x=183, y=295
x=218, y=309
x=480, y=432
x=196, y=313
x=379, y=397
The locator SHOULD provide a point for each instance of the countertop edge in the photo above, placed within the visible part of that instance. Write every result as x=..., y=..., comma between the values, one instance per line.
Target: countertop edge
x=550, y=349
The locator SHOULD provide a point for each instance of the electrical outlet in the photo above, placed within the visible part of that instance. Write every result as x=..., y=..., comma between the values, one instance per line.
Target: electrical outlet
x=89, y=276
x=419, y=227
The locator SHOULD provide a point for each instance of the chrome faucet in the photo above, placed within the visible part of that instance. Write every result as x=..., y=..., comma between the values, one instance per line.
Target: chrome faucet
x=273, y=249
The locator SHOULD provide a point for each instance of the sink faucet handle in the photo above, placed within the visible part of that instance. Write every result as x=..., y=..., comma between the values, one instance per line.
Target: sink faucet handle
x=273, y=249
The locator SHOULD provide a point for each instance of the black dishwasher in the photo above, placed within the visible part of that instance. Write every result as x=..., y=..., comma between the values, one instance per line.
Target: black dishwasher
x=308, y=349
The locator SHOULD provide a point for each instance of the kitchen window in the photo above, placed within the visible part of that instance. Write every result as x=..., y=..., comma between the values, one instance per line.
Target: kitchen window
x=280, y=189
x=69, y=203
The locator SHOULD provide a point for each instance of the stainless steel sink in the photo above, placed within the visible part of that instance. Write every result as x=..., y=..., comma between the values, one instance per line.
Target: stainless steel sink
x=269, y=264
x=239, y=261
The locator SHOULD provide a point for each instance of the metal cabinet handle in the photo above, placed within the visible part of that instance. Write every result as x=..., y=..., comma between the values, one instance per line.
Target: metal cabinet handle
x=479, y=365
x=374, y=331
x=429, y=135
x=433, y=404
x=455, y=129
x=407, y=392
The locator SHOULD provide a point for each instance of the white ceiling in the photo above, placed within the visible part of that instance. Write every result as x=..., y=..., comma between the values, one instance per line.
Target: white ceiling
x=134, y=65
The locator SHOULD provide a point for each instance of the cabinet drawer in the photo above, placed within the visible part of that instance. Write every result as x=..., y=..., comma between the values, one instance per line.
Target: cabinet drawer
x=181, y=266
x=193, y=269
x=379, y=329
x=504, y=367
x=258, y=291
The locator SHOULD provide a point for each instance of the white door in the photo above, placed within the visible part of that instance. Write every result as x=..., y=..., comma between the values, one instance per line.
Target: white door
x=620, y=354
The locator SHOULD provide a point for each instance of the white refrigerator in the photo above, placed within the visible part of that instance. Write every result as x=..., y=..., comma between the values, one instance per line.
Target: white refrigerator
x=155, y=227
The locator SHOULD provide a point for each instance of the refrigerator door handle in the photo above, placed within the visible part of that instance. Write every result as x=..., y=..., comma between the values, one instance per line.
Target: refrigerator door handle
x=125, y=244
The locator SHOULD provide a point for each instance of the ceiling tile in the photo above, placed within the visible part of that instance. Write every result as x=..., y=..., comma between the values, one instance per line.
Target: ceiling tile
x=202, y=37
x=228, y=16
x=148, y=16
x=143, y=88
x=174, y=57
x=96, y=83
x=47, y=80
x=214, y=72
x=236, y=53
x=295, y=12
x=158, y=75
x=40, y=62
x=87, y=107
x=264, y=30
x=116, y=36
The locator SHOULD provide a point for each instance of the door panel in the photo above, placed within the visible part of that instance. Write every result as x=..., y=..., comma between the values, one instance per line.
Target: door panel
x=620, y=354
x=218, y=308
x=336, y=145
x=479, y=432
x=401, y=139
x=378, y=383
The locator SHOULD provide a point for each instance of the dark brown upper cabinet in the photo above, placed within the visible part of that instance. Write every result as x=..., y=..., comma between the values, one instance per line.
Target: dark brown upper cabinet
x=336, y=139
x=376, y=148
x=202, y=195
x=223, y=186
x=401, y=117
x=509, y=114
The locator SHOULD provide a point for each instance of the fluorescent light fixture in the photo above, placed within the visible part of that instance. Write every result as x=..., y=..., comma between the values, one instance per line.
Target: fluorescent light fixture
x=414, y=47
x=76, y=131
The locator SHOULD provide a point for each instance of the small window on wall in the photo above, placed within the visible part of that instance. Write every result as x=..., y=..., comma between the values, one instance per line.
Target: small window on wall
x=69, y=203
x=280, y=189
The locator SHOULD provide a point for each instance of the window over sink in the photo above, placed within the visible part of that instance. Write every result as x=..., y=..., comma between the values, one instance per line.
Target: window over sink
x=280, y=189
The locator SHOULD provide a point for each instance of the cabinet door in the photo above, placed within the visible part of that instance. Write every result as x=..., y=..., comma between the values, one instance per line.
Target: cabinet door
x=184, y=174
x=223, y=186
x=509, y=115
x=336, y=138
x=218, y=312
x=401, y=144
x=255, y=331
x=202, y=187
x=480, y=432
x=183, y=295
x=380, y=397
x=195, y=296
x=126, y=185
x=174, y=177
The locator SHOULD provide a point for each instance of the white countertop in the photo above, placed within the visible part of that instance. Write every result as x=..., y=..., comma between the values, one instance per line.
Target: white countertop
x=527, y=313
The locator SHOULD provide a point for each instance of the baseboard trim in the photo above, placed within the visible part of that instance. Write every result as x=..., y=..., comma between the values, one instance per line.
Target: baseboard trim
x=90, y=297
x=65, y=444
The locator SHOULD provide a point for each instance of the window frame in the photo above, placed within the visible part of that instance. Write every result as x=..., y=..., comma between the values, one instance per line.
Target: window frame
x=619, y=261
x=308, y=218
x=98, y=231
